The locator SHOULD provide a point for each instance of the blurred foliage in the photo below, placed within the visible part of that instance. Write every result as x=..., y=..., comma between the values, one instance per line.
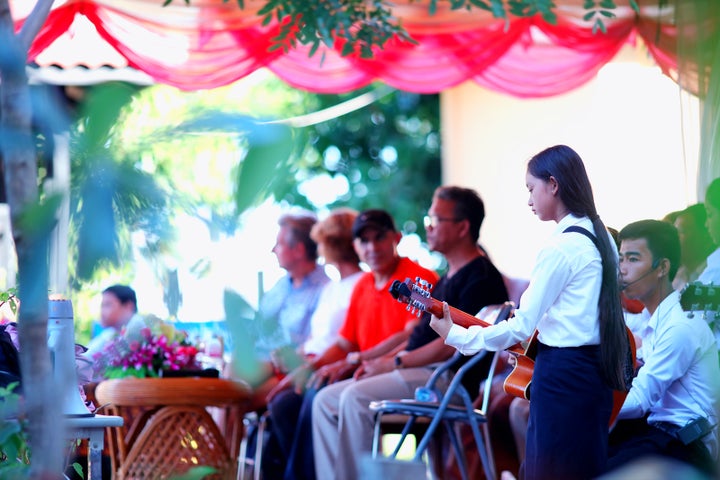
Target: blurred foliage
x=134, y=172
x=195, y=473
x=386, y=153
x=241, y=325
x=365, y=25
x=110, y=197
x=14, y=452
x=143, y=157
x=389, y=153
x=9, y=297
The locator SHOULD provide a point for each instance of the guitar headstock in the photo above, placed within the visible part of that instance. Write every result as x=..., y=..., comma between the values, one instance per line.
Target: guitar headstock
x=416, y=295
x=698, y=296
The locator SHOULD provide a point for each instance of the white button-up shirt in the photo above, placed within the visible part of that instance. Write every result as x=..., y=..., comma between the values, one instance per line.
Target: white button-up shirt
x=561, y=300
x=680, y=380
x=711, y=273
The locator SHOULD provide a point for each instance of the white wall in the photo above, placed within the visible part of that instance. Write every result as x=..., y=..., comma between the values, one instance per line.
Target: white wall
x=627, y=125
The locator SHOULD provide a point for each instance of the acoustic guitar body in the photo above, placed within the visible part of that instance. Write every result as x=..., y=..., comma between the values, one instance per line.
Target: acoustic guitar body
x=517, y=383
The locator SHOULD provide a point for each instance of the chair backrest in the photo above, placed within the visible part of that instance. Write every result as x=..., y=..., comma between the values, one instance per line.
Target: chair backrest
x=491, y=314
x=515, y=287
x=497, y=313
x=503, y=313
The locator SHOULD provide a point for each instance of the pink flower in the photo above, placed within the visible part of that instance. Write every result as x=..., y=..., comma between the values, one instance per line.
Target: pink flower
x=147, y=356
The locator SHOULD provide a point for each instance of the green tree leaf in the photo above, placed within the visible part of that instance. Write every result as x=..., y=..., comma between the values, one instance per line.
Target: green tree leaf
x=268, y=156
x=196, y=473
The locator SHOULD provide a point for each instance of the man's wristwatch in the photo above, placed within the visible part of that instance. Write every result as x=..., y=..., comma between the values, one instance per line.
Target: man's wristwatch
x=398, y=361
x=353, y=358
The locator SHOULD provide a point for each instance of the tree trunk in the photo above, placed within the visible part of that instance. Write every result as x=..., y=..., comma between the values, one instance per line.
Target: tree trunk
x=19, y=162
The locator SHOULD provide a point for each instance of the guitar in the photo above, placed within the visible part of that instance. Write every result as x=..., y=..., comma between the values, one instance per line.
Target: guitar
x=702, y=297
x=518, y=382
x=418, y=298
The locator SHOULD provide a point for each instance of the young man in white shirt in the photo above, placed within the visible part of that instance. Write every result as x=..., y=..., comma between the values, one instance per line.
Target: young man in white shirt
x=118, y=306
x=670, y=408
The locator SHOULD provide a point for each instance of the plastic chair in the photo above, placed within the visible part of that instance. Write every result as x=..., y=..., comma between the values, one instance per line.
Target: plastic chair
x=515, y=287
x=169, y=425
x=435, y=406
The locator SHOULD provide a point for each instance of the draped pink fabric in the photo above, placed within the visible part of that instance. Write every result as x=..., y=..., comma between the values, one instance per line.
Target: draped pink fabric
x=211, y=43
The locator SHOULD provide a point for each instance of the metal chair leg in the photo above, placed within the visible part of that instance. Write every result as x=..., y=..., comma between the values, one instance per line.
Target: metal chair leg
x=262, y=425
x=484, y=449
x=455, y=440
x=249, y=420
x=403, y=435
x=376, y=435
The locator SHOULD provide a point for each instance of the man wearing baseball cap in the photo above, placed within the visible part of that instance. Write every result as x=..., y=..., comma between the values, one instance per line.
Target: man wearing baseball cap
x=375, y=325
x=378, y=219
x=342, y=420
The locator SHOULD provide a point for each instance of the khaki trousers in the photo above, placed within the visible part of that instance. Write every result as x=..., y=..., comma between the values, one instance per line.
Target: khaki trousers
x=343, y=423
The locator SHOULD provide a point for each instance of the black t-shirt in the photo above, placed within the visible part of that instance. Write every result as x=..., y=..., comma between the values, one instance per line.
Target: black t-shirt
x=474, y=286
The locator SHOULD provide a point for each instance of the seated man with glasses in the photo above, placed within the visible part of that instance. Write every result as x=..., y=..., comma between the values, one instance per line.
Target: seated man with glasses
x=433, y=221
x=342, y=420
x=375, y=324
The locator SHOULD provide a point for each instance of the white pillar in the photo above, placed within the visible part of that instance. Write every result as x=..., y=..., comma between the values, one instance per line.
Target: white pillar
x=60, y=183
x=8, y=259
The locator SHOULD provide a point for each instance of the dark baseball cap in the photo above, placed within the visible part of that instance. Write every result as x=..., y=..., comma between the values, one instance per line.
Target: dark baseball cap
x=375, y=218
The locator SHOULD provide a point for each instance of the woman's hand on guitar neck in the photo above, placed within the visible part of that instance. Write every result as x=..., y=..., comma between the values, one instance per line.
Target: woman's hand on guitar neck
x=442, y=325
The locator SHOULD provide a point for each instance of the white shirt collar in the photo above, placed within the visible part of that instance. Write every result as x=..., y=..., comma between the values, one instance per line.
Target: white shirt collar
x=665, y=306
x=567, y=221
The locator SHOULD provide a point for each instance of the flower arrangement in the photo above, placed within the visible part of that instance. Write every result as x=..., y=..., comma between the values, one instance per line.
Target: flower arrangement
x=145, y=348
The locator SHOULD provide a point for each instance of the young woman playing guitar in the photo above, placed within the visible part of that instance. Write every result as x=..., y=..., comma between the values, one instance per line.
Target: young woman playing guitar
x=573, y=301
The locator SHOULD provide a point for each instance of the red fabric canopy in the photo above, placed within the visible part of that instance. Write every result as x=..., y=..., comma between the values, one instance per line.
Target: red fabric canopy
x=212, y=43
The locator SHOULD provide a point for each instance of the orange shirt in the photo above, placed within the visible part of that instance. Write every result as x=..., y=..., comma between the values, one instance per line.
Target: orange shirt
x=374, y=315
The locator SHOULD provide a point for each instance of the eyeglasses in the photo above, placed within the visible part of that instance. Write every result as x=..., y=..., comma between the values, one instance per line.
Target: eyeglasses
x=433, y=220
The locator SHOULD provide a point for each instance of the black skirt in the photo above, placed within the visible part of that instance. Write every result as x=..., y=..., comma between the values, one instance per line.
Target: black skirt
x=570, y=408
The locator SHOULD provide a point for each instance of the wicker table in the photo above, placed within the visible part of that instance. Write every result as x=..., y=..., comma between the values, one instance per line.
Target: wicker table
x=169, y=426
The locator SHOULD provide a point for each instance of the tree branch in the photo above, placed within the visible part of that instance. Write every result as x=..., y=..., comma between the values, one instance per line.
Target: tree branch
x=34, y=22
x=5, y=16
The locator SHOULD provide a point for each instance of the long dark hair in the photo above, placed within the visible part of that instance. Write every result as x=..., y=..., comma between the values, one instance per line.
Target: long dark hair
x=565, y=165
